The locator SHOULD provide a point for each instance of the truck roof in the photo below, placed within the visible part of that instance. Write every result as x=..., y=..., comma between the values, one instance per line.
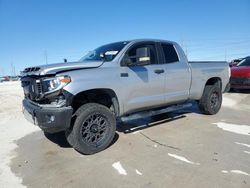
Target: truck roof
x=155, y=40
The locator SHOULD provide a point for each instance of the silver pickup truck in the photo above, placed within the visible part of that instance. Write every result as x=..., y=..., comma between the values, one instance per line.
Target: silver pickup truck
x=128, y=79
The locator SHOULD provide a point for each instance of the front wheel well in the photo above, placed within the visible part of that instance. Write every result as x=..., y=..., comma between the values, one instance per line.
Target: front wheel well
x=106, y=97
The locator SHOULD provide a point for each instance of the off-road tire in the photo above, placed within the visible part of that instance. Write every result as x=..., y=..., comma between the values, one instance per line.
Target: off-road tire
x=93, y=130
x=210, y=102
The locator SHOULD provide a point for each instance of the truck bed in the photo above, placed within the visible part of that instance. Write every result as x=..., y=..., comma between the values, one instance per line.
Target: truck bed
x=202, y=70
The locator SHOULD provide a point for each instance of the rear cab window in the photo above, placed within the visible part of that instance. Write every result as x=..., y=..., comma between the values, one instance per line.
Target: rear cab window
x=169, y=53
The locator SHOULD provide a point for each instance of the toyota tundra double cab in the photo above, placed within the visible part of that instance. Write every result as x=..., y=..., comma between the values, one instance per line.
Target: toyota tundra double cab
x=115, y=81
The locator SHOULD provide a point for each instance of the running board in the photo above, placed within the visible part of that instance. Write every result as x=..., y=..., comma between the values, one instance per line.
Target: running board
x=144, y=114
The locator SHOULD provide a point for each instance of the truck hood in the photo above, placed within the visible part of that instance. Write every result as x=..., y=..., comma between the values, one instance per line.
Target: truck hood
x=60, y=67
x=243, y=72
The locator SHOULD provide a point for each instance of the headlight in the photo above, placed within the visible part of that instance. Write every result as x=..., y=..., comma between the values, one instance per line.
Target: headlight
x=55, y=83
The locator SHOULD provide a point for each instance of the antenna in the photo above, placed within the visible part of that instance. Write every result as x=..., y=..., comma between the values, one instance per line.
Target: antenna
x=46, y=57
x=186, y=51
x=225, y=54
x=183, y=44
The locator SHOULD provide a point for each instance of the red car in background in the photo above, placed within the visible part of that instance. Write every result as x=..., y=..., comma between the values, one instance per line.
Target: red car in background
x=240, y=75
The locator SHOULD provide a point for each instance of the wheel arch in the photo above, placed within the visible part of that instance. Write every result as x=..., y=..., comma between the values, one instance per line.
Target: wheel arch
x=214, y=81
x=104, y=96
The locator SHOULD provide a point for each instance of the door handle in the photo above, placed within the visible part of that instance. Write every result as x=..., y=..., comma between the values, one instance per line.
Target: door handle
x=159, y=71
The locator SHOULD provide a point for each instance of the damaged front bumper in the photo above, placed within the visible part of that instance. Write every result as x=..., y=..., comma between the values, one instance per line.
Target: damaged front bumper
x=49, y=118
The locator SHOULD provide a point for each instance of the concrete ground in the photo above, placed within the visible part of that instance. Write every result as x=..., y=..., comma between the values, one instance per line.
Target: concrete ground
x=181, y=149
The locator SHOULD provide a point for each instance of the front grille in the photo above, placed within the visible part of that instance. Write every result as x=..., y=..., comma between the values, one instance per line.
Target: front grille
x=31, y=69
x=39, y=87
x=32, y=88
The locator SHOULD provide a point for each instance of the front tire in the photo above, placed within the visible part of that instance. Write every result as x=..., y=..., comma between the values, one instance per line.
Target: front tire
x=93, y=130
x=211, y=100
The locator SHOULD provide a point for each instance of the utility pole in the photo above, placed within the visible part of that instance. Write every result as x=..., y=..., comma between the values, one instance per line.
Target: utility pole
x=13, y=70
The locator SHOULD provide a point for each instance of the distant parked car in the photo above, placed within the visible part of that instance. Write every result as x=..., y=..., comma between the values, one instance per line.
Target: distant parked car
x=1, y=79
x=4, y=79
x=14, y=78
x=240, y=75
x=234, y=62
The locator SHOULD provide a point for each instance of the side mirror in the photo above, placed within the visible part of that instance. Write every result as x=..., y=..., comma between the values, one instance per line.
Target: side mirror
x=102, y=56
x=143, y=54
x=141, y=58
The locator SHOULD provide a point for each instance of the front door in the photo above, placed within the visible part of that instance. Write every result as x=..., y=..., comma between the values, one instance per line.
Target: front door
x=143, y=86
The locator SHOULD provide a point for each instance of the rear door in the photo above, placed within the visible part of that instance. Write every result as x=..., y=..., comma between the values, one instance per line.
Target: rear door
x=178, y=74
x=143, y=86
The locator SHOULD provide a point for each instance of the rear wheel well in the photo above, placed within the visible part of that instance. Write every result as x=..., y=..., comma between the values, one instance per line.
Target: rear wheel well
x=106, y=97
x=214, y=81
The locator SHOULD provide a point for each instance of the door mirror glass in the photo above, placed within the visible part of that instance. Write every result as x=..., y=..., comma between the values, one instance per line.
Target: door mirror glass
x=102, y=56
x=140, y=58
x=143, y=56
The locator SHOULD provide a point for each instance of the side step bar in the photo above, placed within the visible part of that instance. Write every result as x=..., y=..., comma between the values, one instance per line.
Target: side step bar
x=148, y=113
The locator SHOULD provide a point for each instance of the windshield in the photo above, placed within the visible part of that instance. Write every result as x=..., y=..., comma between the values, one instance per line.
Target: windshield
x=110, y=51
x=244, y=62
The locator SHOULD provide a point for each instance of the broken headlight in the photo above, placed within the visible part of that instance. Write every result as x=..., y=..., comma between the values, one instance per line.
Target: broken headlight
x=54, y=84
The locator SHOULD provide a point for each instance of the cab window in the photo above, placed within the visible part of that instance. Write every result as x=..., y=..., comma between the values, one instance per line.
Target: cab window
x=169, y=53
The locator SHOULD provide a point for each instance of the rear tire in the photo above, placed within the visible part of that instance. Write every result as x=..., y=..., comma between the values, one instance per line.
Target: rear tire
x=211, y=100
x=93, y=130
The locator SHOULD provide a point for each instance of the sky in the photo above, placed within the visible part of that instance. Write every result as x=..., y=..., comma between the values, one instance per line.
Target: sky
x=33, y=32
